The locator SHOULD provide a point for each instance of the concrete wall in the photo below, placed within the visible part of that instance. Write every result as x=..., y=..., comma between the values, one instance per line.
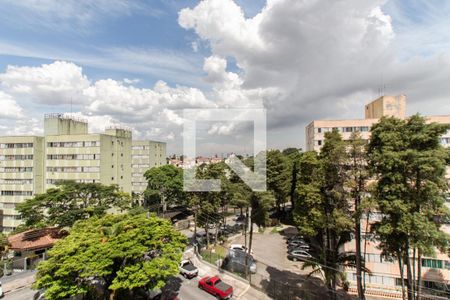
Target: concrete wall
x=56, y=124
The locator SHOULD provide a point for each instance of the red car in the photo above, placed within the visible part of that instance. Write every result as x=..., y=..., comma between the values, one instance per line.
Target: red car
x=215, y=286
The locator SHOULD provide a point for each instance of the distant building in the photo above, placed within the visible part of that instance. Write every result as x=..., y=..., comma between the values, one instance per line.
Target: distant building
x=30, y=247
x=384, y=106
x=145, y=155
x=385, y=279
x=31, y=164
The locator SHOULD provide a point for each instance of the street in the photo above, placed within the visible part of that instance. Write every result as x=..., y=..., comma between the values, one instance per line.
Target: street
x=25, y=293
x=187, y=291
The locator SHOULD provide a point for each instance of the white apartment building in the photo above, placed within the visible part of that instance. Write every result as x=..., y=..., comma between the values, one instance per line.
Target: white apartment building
x=145, y=155
x=30, y=165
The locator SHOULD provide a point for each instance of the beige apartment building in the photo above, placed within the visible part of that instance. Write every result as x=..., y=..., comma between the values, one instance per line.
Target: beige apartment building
x=385, y=279
x=30, y=165
x=145, y=155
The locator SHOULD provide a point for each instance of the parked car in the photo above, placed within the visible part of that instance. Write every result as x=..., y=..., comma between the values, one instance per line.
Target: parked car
x=295, y=237
x=299, y=255
x=187, y=269
x=236, y=260
x=240, y=247
x=215, y=286
x=299, y=247
x=296, y=243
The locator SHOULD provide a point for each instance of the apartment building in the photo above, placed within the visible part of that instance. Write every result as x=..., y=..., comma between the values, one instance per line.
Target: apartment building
x=145, y=155
x=21, y=174
x=385, y=278
x=67, y=151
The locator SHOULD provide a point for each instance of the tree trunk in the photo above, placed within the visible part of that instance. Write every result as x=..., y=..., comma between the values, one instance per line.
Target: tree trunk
x=365, y=244
x=400, y=265
x=249, y=249
x=414, y=272
x=195, y=226
x=419, y=274
x=358, y=258
x=409, y=281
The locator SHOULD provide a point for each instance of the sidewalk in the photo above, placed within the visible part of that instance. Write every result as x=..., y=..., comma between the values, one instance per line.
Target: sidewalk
x=242, y=289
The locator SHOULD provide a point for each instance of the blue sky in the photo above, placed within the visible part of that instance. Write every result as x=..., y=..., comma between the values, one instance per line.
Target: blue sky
x=146, y=43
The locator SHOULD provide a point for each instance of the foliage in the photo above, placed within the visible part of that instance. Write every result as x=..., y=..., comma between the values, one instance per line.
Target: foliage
x=278, y=176
x=409, y=164
x=70, y=201
x=165, y=185
x=322, y=210
x=116, y=253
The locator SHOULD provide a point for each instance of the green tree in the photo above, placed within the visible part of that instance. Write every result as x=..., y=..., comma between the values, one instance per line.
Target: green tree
x=70, y=201
x=121, y=254
x=358, y=175
x=409, y=165
x=322, y=211
x=278, y=176
x=293, y=157
x=165, y=187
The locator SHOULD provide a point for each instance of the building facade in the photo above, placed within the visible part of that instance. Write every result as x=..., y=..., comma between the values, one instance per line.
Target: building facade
x=145, y=155
x=30, y=164
x=385, y=279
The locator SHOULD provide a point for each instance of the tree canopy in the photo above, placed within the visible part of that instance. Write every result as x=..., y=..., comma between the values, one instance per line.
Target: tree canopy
x=110, y=256
x=165, y=186
x=70, y=201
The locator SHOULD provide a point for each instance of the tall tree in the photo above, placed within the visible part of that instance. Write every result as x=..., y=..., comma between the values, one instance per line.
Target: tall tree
x=165, y=187
x=293, y=157
x=358, y=175
x=322, y=211
x=121, y=254
x=409, y=164
x=278, y=175
x=70, y=201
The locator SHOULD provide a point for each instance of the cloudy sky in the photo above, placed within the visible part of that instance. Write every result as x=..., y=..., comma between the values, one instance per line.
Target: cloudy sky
x=140, y=63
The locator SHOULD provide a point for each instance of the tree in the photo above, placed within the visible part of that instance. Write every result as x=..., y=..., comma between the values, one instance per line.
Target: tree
x=70, y=201
x=118, y=254
x=408, y=162
x=278, y=176
x=206, y=205
x=293, y=156
x=358, y=174
x=322, y=210
x=165, y=187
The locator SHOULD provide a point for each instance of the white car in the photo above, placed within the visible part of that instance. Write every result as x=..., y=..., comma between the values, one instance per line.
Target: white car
x=240, y=247
x=1, y=290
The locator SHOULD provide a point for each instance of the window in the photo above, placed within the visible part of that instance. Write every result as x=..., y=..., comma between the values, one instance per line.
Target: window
x=16, y=169
x=16, y=157
x=16, y=193
x=16, y=145
x=432, y=263
x=16, y=181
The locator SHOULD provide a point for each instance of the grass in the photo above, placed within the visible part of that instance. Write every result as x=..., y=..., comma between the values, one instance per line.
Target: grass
x=276, y=229
x=211, y=257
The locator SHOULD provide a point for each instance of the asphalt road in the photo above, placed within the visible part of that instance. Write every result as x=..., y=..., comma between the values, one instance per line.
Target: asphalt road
x=188, y=290
x=25, y=293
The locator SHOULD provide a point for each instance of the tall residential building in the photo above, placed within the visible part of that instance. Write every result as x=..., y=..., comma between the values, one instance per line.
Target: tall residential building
x=145, y=155
x=385, y=279
x=21, y=174
x=30, y=165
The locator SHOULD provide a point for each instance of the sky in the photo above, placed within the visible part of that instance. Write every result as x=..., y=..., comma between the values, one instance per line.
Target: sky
x=141, y=63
